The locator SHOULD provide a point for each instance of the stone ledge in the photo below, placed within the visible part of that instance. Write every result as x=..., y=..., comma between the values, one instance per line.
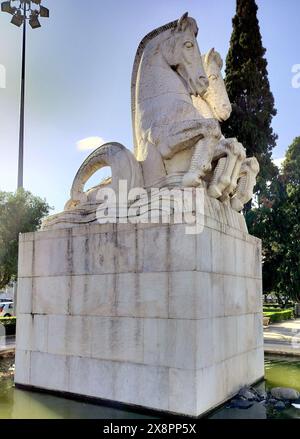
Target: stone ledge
x=95, y=228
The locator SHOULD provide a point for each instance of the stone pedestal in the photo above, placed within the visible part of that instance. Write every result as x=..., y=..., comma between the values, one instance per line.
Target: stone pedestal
x=142, y=314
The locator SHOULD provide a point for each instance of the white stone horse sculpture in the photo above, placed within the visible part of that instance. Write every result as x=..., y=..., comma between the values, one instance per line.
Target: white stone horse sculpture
x=233, y=175
x=178, y=99
x=167, y=71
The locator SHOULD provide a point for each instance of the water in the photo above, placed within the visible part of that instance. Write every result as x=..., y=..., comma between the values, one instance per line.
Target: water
x=283, y=372
x=18, y=404
x=21, y=404
x=280, y=371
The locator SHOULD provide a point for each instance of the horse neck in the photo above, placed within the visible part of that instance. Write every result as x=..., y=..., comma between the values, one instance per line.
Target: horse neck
x=203, y=107
x=155, y=77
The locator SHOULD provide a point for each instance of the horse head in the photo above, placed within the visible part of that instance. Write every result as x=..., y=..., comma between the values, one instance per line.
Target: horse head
x=216, y=95
x=181, y=51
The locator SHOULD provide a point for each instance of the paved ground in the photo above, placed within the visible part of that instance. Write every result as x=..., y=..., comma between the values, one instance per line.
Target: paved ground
x=283, y=338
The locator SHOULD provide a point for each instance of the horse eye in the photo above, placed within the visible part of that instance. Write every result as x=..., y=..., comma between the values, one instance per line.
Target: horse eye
x=212, y=77
x=188, y=44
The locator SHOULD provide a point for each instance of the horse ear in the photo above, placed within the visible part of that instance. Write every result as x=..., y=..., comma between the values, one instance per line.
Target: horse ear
x=212, y=54
x=219, y=60
x=182, y=21
x=209, y=56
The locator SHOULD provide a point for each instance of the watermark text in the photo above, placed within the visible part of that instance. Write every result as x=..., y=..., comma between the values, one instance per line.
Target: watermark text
x=296, y=76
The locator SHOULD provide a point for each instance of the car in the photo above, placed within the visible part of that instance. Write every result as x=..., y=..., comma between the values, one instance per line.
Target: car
x=7, y=309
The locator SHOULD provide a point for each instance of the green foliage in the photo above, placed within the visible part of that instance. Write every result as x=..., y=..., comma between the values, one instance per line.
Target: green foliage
x=277, y=222
x=20, y=212
x=291, y=165
x=8, y=321
x=271, y=306
x=9, y=324
x=249, y=91
x=279, y=316
x=269, y=309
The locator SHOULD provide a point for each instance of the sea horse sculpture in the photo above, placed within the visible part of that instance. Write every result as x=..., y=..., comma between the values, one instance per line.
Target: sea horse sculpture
x=234, y=175
x=167, y=72
x=178, y=99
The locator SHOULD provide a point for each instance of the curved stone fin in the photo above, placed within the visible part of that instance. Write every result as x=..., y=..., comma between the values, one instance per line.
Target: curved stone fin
x=123, y=166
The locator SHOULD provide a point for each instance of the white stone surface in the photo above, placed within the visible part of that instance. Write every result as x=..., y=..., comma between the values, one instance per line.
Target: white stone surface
x=210, y=386
x=25, y=259
x=40, y=331
x=118, y=339
x=24, y=303
x=49, y=371
x=51, y=295
x=22, y=375
x=51, y=257
x=190, y=295
x=179, y=331
x=25, y=332
x=92, y=377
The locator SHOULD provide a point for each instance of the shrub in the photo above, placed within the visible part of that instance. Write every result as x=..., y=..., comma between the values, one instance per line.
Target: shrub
x=270, y=309
x=9, y=324
x=279, y=316
x=272, y=305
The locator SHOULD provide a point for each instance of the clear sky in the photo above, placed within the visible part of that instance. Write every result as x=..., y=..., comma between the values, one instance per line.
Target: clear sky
x=78, y=78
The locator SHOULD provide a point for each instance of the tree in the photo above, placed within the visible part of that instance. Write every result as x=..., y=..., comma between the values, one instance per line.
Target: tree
x=249, y=91
x=266, y=223
x=277, y=223
x=20, y=212
x=291, y=164
x=289, y=269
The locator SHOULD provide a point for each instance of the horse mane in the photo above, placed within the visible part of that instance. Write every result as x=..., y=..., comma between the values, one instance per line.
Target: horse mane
x=137, y=59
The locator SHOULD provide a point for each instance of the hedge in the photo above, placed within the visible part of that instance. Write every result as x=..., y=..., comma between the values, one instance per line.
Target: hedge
x=9, y=324
x=279, y=316
x=270, y=309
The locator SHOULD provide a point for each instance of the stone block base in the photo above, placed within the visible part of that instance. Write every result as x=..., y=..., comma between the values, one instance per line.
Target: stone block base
x=141, y=314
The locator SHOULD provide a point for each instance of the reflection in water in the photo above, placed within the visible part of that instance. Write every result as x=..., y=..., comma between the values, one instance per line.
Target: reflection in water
x=30, y=405
x=18, y=404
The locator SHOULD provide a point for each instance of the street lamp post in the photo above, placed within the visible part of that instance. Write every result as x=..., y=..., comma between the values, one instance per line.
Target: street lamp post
x=21, y=11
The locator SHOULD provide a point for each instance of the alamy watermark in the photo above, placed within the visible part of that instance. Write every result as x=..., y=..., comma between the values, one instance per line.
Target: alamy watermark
x=2, y=76
x=138, y=205
x=296, y=76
